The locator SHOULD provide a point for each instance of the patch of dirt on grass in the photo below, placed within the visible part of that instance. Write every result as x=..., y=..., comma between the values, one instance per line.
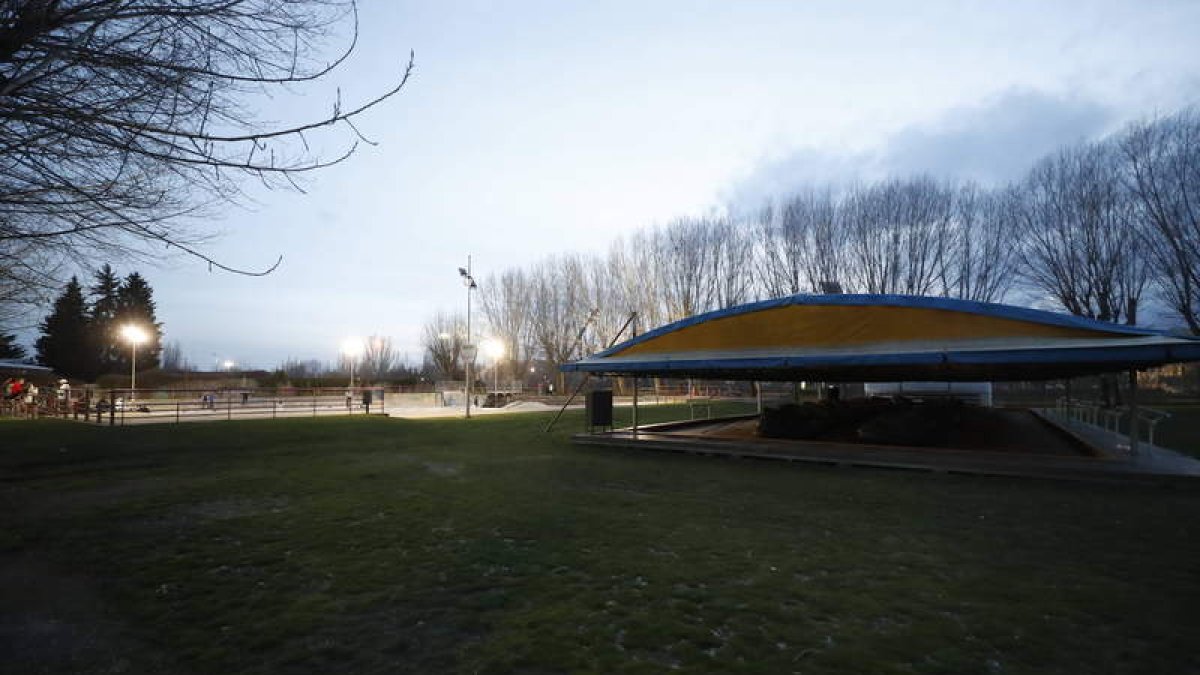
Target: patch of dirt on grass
x=228, y=509
x=185, y=516
x=440, y=469
x=52, y=622
x=38, y=504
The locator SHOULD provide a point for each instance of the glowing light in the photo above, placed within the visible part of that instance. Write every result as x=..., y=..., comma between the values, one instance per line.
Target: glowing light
x=352, y=347
x=134, y=334
x=493, y=348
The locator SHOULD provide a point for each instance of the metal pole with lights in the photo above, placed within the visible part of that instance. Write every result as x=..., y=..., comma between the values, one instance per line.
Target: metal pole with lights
x=352, y=348
x=495, y=351
x=135, y=335
x=469, y=349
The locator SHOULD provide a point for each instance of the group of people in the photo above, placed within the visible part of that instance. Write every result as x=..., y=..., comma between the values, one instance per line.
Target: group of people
x=23, y=397
x=18, y=389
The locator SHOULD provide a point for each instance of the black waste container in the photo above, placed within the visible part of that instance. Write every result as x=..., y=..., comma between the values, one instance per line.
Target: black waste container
x=600, y=408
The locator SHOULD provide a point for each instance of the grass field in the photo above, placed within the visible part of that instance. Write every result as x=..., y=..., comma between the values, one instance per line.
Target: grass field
x=356, y=545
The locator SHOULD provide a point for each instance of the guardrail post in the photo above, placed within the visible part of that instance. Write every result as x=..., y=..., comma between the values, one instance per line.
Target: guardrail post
x=1133, y=413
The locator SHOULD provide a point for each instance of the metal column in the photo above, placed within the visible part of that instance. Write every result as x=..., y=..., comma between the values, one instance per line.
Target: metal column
x=1134, y=432
x=635, y=383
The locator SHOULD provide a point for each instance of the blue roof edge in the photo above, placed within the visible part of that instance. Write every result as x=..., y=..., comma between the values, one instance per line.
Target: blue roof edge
x=890, y=300
x=1071, y=355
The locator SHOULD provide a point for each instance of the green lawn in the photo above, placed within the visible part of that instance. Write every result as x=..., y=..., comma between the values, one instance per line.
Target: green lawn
x=359, y=545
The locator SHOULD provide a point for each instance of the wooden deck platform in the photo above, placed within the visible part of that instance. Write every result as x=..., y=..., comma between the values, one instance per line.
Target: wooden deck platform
x=1103, y=461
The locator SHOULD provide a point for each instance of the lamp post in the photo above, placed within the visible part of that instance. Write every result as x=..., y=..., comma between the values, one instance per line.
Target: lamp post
x=495, y=351
x=352, y=348
x=468, y=349
x=135, y=335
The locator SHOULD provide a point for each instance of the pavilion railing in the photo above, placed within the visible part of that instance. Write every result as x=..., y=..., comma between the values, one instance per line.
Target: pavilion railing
x=1114, y=419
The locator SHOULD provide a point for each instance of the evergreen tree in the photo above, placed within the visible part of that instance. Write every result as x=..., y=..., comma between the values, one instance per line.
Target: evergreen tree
x=135, y=305
x=9, y=349
x=64, y=344
x=103, y=331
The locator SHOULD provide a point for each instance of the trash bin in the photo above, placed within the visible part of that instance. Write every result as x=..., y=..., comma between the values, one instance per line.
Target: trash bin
x=599, y=409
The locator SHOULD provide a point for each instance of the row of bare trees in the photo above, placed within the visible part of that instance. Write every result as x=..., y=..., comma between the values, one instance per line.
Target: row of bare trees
x=1094, y=229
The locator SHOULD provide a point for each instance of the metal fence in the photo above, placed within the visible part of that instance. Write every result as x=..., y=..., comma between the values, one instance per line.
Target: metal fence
x=124, y=406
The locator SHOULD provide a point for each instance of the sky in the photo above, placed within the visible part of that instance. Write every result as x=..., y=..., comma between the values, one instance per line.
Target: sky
x=535, y=128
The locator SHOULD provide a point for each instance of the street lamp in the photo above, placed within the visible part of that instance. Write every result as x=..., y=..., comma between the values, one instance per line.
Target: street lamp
x=468, y=349
x=352, y=348
x=135, y=336
x=495, y=350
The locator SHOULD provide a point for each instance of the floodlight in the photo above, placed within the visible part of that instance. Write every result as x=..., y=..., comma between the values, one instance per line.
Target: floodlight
x=352, y=347
x=134, y=334
x=493, y=348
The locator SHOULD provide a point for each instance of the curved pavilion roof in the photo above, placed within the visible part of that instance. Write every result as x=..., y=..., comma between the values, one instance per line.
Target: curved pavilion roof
x=885, y=338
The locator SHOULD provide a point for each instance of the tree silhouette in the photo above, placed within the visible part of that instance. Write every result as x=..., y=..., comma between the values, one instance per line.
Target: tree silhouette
x=9, y=349
x=64, y=344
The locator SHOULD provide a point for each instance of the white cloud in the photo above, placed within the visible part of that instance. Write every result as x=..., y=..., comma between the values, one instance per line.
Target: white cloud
x=992, y=142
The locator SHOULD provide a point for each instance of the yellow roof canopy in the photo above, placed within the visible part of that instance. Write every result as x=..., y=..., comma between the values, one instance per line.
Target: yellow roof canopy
x=885, y=338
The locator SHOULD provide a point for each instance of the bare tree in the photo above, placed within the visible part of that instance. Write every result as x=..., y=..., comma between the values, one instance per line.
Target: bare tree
x=379, y=357
x=733, y=281
x=507, y=300
x=897, y=234
x=443, y=337
x=802, y=244
x=981, y=261
x=683, y=258
x=560, y=309
x=122, y=119
x=302, y=368
x=173, y=358
x=1162, y=168
x=1082, y=244
x=631, y=266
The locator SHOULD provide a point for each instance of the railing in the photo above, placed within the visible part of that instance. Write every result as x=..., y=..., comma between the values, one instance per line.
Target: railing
x=1113, y=419
x=124, y=406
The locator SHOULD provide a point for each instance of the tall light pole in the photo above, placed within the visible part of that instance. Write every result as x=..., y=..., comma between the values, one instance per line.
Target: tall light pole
x=468, y=349
x=135, y=336
x=352, y=348
x=495, y=351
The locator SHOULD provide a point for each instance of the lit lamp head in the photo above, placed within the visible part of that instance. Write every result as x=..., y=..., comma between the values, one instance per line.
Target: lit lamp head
x=134, y=334
x=493, y=348
x=352, y=347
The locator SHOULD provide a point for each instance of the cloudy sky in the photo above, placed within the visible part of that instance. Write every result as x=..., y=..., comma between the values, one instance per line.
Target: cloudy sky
x=532, y=128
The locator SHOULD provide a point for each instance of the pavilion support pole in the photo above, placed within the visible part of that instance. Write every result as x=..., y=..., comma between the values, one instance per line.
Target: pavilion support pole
x=758, y=395
x=634, y=318
x=1134, y=432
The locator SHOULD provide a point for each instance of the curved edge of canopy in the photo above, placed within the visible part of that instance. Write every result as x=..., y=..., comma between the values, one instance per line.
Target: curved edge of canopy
x=887, y=300
x=996, y=365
